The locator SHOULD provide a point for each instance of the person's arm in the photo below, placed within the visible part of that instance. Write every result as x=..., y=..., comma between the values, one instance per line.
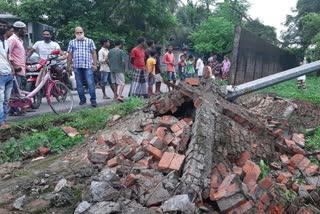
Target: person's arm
x=94, y=57
x=30, y=52
x=132, y=55
x=101, y=59
x=70, y=56
x=165, y=59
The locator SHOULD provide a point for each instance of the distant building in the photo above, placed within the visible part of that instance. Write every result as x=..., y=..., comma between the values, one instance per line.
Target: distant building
x=34, y=28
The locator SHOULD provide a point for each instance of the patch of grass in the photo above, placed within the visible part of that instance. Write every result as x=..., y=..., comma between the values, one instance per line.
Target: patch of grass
x=313, y=141
x=290, y=195
x=45, y=130
x=289, y=89
x=264, y=169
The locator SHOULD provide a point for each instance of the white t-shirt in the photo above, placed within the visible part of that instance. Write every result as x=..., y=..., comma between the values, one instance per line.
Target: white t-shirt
x=102, y=56
x=44, y=49
x=5, y=68
x=200, y=67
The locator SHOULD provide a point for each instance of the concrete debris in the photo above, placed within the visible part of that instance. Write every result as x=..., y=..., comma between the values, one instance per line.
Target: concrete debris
x=19, y=202
x=104, y=207
x=62, y=183
x=180, y=203
x=82, y=207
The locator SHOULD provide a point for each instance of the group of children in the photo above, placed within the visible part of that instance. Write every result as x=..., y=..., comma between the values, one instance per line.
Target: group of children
x=187, y=68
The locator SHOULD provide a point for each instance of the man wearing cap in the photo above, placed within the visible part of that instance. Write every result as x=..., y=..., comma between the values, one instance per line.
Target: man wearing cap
x=17, y=54
x=6, y=77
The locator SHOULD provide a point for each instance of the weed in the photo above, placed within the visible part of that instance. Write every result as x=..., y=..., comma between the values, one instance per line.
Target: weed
x=264, y=169
x=45, y=130
x=313, y=141
x=289, y=89
x=290, y=195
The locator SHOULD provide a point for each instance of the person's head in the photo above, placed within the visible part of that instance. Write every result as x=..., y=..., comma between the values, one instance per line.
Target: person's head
x=170, y=48
x=226, y=57
x=184, y=51
x=3, y=27
x=150, y=43
x=79, y=33
x=153, y=53
x=141, y=42
x=191, y=58
x=118, y=43
x=46, y=35
x=158, y=50
x=105, y=42
x=20, y=29
x=182, y=57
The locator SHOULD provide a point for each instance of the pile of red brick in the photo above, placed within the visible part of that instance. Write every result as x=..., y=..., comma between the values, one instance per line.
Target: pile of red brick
x=164, y=145
x=240, y=188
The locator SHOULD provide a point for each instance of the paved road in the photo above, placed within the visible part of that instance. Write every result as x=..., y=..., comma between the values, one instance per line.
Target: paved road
x=45, y=108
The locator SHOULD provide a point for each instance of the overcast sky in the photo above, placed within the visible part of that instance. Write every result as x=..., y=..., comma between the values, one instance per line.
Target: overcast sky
x=272, y=12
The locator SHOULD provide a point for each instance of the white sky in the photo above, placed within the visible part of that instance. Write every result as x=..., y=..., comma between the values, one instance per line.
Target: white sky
x=272, y=12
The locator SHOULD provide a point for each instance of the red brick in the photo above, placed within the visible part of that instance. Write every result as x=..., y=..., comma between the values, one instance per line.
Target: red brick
x=43, y=151
x=145, y=143
x=197, y=103
x=166, y=160
x=225, y=192
x=130, y=141
x=237, y=170
x=245, y=206
x=175, y=142
x=175, y=128
x=222, y=169
x=289, y=143
x=113, y=162
x=265, y=199
x=298, y=139
x=130, y=180
x=214, y=182
x=260, y=207
x=282, y=176
x=115, y=137
x=173, y=109
x=284, y=159
x=292, y=209
x=278, y=209
x=156, y=153
x=298, y=150
x=121, y=143
x=167, y=121
x=294, y=161
x=311, y=169
x=182, y=124
x=192, y=81
x=189, y=121
x=310, y=187
x=302, y=165
x=266, y=183
x=291, y=169
x=160, y=133
x=179, y=133
x=278, y=132
x=295, y=186
x=243, y=158
x=144, y=162
x=168, y=138
x=177, y=162
x=251, y=167
x=100, y=140
x=148, y=128
x=227, y=181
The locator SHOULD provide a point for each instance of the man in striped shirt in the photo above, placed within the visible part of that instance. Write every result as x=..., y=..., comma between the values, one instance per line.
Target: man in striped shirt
x=82, y=54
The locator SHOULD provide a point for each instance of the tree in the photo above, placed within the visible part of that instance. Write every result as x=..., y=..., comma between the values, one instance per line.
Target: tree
x=267, y=33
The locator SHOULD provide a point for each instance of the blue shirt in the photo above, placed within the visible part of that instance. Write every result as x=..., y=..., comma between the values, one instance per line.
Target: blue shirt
x=81, y=51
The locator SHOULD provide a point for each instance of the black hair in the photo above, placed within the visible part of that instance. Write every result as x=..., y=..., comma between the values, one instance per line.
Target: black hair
x=140, y=40
x=170, y=46
x=184, y=49
x=182, y=55
x=158, y=49
x=152, y=53
x=190, y=57
x=117, y=42
x=104, y=40
x=150, y=43
x=2, y=21
x=47, y=30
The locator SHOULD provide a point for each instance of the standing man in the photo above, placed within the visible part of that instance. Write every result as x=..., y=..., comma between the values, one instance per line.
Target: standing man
x=169, y=60
x=139, y=80
x=45, y=47
x=158, y=77
x=150, y=44
x=82, y=53
x=200, y=66
x=6, y=77
x=117, y=67
x=104, y=66
x=17, y=53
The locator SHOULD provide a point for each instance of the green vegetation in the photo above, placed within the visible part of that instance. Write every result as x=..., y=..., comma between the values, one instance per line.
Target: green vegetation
x=264, y=169
x=313, y=141
x=290, y=195
x=289, y=90
x=46, y=131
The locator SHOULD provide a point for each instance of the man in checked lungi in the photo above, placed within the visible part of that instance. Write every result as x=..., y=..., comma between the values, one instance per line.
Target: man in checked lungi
x=139, y=79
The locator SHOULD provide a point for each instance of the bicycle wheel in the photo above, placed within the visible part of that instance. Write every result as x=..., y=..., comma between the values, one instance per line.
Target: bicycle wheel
x=59, y=98
x=36, y=99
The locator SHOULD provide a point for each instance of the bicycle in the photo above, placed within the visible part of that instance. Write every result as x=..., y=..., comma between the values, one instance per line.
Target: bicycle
x=58, y=95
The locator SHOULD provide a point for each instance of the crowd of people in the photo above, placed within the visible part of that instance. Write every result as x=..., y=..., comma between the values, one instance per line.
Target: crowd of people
x=83, y=60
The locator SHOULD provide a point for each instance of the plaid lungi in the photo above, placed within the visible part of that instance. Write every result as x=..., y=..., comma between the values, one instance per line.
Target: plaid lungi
x=138, y=86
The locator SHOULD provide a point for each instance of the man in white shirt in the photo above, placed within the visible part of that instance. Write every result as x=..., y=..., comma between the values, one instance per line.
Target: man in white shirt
x=104, y=66
x=45, y=47
x=200, y=67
